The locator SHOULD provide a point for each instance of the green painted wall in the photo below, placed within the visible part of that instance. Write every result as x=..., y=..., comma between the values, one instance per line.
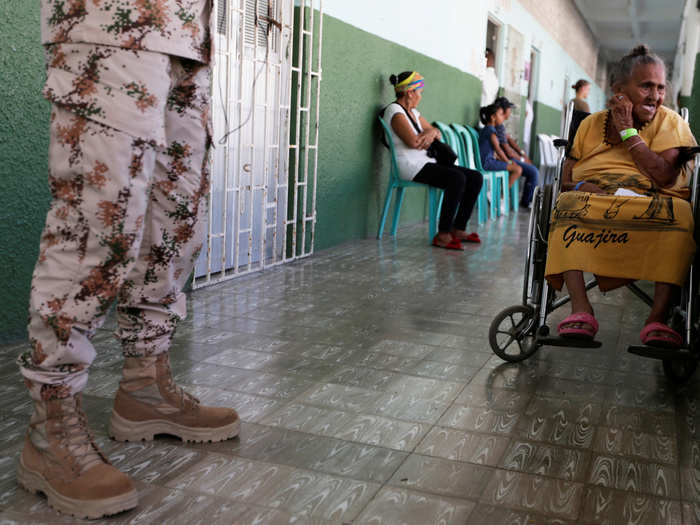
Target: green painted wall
x=353, y=164
x=684, y=102
x=546, y=119
x=24, y=117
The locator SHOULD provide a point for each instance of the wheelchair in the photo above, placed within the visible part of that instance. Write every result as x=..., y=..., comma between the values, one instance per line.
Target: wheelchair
x=518, y=331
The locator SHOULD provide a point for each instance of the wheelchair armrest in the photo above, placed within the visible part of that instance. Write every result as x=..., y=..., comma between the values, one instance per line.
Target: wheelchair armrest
x=560, y=143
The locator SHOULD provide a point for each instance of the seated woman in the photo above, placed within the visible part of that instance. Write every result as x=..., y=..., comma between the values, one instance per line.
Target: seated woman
x=622, y=215
x=412, y=136
x=493, y=158
x=517, y=154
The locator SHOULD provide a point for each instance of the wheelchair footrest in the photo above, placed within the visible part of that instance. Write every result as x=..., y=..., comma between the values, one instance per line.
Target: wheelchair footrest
x=570, y=342
x=655, y=352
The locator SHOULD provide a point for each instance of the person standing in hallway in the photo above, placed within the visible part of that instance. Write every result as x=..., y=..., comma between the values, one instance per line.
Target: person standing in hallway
x=582, y=88
x=412, y=135
x=489, y=86
x=129, y=143
x=517, y=154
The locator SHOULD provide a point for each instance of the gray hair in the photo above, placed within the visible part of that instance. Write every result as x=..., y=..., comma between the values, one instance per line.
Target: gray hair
x=640, y=55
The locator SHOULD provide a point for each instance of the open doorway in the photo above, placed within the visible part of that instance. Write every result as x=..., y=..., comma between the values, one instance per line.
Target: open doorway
x=532, y=76
x=492, y=35
x=565, y=100
x=491, y=82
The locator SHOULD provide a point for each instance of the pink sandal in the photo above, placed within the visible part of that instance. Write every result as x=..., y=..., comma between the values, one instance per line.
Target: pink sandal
x=665, y=337
x=583, y=318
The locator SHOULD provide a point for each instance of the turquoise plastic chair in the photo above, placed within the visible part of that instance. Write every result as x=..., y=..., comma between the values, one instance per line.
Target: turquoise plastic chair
x=452, y=138
x=495, y=178
x=492, y=179
x=400, y=185
x=467, y=151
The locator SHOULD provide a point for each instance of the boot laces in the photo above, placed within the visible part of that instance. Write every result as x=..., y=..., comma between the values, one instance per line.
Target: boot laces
x=186, y=400
x=77, y=439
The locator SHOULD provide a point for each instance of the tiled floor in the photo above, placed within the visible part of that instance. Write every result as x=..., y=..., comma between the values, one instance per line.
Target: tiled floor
x=369, y=395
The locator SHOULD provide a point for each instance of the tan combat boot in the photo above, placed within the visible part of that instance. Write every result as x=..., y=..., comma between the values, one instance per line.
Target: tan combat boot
x=149, y=402
x=61, y=460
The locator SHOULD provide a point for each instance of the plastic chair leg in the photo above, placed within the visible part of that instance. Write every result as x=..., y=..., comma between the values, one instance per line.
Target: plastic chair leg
x=506, y=195
x=433, y=206
x=397, y=210
x=482, y=205
x=385, y=211
x=515, y=195
x=495, y=196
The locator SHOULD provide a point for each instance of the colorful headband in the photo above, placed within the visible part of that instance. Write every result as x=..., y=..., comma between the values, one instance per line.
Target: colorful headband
x=412, y=82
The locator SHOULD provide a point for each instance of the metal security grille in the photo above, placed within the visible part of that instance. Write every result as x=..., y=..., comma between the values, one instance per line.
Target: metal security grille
x=265, y=104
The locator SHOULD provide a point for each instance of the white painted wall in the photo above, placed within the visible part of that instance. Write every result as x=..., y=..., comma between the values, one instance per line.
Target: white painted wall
x=454, y=32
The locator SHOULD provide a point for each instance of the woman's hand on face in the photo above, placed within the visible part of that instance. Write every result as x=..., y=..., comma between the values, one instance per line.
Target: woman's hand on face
x=621, y=112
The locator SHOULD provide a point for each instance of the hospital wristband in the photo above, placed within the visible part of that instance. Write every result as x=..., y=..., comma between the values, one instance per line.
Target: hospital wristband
x=628, y=133
x=578, y=185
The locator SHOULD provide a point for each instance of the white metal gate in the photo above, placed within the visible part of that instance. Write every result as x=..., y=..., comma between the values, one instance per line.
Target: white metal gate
x=265, y=108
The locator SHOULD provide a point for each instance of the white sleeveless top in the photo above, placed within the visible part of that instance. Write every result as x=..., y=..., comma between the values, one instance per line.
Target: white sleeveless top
x=410, y=160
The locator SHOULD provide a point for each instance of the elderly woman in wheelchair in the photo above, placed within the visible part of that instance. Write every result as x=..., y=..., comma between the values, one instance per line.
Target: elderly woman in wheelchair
x=623, y=213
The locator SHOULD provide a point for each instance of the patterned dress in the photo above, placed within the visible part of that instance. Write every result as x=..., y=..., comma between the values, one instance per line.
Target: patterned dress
x=638, y=231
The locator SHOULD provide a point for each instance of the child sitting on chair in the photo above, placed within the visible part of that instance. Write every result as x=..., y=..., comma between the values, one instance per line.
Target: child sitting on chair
x=493, y=158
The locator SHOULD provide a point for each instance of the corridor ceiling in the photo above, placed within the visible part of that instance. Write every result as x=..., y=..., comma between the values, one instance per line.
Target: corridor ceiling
x=619, y=25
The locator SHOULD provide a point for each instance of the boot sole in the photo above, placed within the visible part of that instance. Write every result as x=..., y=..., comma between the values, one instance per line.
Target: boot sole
x=35, y=483
x=125, y=430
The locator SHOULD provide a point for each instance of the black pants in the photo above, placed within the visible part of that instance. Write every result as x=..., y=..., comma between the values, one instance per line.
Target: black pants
x=462, y=187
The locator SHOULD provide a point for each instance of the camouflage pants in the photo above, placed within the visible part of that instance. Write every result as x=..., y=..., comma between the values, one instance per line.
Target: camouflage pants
x=129, y=183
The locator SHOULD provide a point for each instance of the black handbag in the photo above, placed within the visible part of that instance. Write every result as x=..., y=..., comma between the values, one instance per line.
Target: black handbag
x=438, y=150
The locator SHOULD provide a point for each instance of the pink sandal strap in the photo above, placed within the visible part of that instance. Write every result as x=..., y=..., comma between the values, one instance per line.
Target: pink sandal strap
x=664, y=333
x=579, y=317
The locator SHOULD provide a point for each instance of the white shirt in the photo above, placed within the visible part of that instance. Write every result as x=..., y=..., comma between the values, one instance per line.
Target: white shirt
x=489, y=89
x=409, y=160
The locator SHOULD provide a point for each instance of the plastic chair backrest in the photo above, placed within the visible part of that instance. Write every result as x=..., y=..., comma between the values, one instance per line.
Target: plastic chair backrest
x=475, y=148
x=543, y=149
x=450, y=138
x=553, y=152
x=466, y=143
x=394, y=171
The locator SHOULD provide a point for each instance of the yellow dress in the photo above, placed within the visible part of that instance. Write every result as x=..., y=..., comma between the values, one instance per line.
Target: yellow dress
x=623, y=238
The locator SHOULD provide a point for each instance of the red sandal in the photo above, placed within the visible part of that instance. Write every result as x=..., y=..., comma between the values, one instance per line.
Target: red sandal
x=472, y=237
x=454, y=244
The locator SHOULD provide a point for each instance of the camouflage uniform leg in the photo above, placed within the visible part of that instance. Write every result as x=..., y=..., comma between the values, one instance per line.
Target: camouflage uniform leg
x=107, y=116
x=151, y=302
x=99, y=179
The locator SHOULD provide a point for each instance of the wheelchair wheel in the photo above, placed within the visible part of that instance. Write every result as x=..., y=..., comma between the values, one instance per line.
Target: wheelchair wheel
x=512, y=333
x=538, y=233
x=678, y=371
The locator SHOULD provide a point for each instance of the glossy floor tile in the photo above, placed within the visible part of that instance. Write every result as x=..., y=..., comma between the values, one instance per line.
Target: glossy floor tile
x=369, y=395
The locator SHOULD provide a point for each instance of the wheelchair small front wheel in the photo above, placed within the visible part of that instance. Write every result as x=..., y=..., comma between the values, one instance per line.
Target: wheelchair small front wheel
x=679, y=371
x=512, y=333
